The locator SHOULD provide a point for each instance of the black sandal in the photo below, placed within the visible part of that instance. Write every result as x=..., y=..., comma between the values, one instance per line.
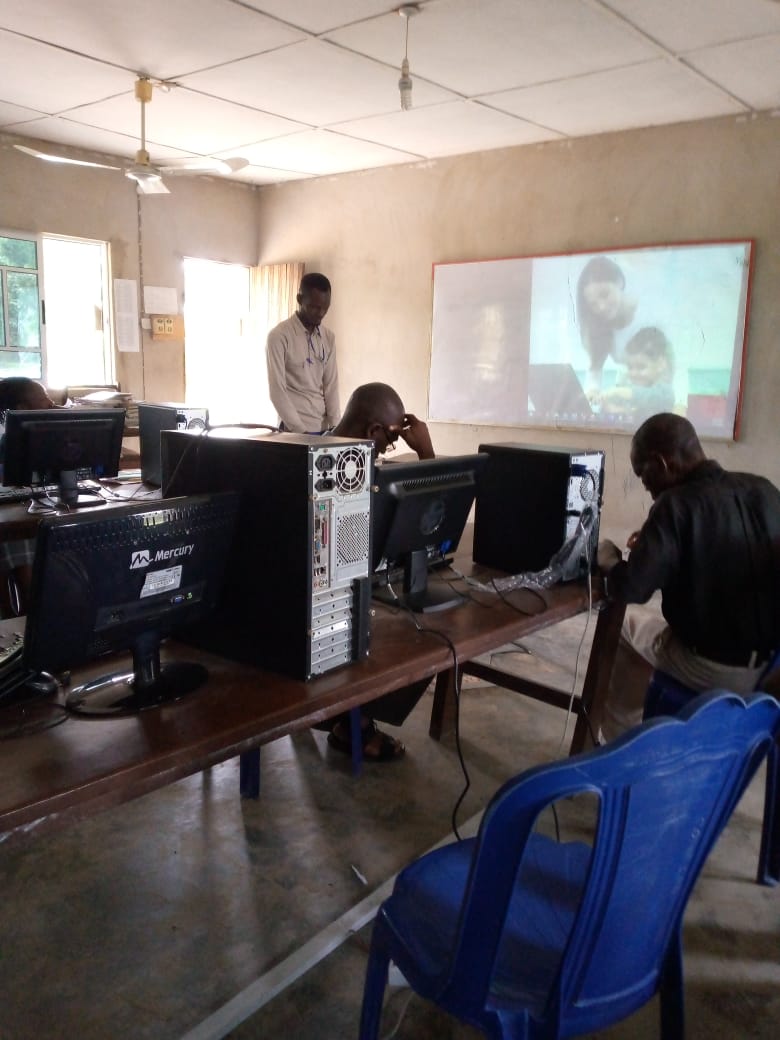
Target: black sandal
x=389, y=747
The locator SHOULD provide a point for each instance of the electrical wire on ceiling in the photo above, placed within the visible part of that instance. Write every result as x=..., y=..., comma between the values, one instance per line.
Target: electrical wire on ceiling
x=405, y=84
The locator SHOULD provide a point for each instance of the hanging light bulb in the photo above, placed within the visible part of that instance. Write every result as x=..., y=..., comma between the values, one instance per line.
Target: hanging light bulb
x=405, y=86
x=405, y=82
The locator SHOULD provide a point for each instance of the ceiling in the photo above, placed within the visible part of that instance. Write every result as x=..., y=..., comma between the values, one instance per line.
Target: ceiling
x=307, y=88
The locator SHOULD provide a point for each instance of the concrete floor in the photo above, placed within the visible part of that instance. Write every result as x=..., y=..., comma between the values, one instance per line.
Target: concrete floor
x=144, y=921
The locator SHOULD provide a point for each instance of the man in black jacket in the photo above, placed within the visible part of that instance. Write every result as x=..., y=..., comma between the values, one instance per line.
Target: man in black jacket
x=711, y=544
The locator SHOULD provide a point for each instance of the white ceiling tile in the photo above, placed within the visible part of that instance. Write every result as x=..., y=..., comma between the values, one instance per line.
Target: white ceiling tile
x=648, y=95
x=750, y=70
x=473, y=48
x=161, y=39
x=453, y=128
x=254, y=74
x=10, y=114
x=316, y=16
x=682, y=25
x=60, y=80
x=322, y=152
x=312, y=82
x=186, y=120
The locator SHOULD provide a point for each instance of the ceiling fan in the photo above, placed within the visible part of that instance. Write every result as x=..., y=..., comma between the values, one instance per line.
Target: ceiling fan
x=148, y=177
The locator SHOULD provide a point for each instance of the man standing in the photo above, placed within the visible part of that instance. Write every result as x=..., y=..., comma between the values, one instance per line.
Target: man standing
x=301, y=358
x=711, y=544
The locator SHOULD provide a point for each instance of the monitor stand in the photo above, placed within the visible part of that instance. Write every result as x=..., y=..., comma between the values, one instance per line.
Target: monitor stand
x=417, y=594
x=68, y=493
x=149, y=685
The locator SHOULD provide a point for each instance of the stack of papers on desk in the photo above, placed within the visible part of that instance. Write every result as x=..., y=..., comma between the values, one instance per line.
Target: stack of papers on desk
x=109, y=399
x=103, y=399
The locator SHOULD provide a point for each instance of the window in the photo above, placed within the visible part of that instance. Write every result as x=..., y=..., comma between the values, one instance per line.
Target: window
x=224, y=360
x=73, y=344
x=20, y=311
x=79, y=345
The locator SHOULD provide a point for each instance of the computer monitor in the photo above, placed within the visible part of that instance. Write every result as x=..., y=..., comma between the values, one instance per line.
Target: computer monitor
x=419, y=511
x=125, y=579
x=60, y=446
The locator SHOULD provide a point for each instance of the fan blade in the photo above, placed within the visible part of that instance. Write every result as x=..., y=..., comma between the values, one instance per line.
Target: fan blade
x=62, y=159
x=236, y=163
x=203, y=164
x=152, y=186
x=147, y=177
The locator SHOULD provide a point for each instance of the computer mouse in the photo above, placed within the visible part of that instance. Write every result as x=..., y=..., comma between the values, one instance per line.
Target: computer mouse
x=42, y=684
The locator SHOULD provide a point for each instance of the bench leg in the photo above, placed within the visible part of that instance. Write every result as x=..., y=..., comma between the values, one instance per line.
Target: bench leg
x=249, y=773
x=769, y=856
x=356, y=738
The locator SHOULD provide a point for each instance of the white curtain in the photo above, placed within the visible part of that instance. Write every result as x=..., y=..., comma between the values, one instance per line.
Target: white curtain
x=272, y=292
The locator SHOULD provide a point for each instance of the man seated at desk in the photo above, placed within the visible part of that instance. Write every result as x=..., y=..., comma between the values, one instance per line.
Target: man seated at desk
x=711, y=544
x=376, y=412
x=18, y=393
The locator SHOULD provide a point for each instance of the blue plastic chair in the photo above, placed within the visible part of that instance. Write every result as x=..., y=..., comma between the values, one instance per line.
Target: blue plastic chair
x=525, y=937
x=668, y=696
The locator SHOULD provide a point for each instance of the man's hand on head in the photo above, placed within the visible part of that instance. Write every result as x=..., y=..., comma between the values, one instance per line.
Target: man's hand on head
x=415, y=432
x=607, y=555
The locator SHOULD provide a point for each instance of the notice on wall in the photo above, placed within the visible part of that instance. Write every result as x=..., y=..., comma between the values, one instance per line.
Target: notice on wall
x=126, y=314
x=160, y=299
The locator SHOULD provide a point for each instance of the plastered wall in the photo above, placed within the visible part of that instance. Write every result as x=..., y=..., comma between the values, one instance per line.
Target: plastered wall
x=204, y=217
x=377, y=235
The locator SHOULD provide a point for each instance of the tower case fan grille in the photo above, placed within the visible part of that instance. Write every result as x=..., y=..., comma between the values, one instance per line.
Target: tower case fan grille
x=351, y=471
x=352, y=538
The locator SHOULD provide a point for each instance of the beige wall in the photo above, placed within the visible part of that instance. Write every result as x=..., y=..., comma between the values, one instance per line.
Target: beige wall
x=203, y=217
x=377, y=234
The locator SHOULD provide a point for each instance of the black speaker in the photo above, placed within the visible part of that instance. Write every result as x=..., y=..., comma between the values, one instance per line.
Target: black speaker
x=530, y=500
x=152, y=420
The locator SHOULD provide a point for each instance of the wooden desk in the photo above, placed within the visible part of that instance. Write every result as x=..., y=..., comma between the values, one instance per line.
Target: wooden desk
x=17, y=523
x=589, y=706
x=84, y=765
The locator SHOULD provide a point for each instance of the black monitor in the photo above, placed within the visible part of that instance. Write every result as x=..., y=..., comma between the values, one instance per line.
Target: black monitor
x=125, y=579
x=418, y=513
x=60, y=446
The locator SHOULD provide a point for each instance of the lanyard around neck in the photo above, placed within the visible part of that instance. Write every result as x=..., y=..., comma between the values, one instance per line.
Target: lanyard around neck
x=314, y=353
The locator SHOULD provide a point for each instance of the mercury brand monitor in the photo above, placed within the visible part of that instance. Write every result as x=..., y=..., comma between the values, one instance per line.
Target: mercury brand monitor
x=419, y=512
x=61, y=446
x=125, y=579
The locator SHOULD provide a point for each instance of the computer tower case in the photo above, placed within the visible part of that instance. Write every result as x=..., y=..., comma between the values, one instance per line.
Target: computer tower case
x=529, y=501
x=297, y=588
x=152, y=420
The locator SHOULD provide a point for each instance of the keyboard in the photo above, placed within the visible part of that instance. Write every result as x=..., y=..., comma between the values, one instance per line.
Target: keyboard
x=14, y=494
x=9, y=495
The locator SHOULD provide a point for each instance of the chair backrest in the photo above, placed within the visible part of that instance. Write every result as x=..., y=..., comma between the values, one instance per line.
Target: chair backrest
x=665, y=791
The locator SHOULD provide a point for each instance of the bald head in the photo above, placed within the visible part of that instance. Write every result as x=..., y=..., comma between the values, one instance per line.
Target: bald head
x=664, y=450
x=370, y=413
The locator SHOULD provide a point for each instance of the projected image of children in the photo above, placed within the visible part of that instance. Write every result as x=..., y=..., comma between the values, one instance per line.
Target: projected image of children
x=644, y=387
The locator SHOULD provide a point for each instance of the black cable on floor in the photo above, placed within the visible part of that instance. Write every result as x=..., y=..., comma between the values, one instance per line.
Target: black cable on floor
x=456, y=677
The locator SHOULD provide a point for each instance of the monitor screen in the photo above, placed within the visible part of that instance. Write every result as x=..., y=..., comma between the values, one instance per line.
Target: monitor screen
x=60, y=446
x=125, y=579
x=418, y=514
